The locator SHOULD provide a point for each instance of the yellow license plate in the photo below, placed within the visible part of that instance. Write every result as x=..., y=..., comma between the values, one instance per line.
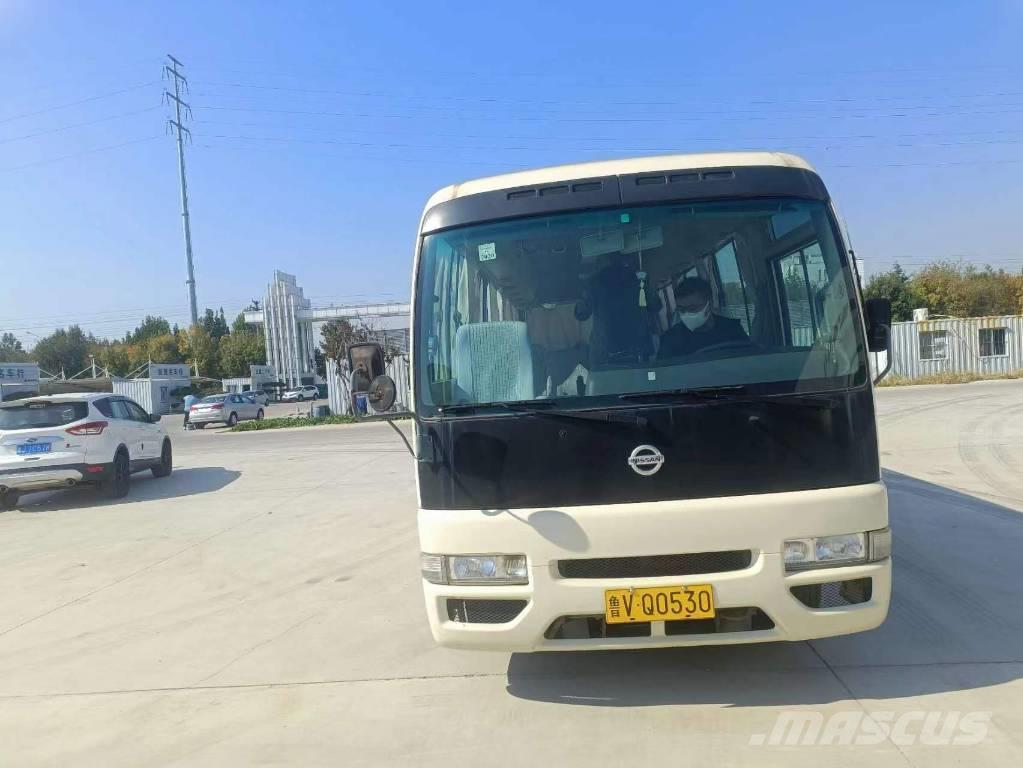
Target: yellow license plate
x=622, y=606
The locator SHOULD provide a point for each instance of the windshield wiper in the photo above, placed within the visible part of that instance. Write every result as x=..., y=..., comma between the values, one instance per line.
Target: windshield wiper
x=531, y=408
x=699, y=393
x=734, y=393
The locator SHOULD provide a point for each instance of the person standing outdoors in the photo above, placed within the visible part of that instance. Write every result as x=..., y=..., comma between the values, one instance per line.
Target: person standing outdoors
x=190, y=400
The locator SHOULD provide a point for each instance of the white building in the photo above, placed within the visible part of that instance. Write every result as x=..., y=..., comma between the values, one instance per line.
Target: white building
x=291, y=326
x=18, y=380
x=289, y=341
x=161, y=390
x=259, y=377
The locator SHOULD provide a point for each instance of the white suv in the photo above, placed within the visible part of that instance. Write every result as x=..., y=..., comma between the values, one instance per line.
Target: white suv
x=307, y=392
x=66, y=440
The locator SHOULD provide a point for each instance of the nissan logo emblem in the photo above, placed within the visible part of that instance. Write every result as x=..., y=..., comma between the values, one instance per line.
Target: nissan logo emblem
x=646, y=460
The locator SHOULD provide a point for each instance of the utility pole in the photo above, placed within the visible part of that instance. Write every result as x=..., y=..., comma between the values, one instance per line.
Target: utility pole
x=180, y=81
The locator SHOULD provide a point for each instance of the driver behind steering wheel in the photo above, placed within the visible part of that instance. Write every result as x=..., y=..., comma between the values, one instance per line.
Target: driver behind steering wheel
x=698, y=327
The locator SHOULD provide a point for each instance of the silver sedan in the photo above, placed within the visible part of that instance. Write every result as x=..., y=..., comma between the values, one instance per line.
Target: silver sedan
x=224, y=409
x=258, y=397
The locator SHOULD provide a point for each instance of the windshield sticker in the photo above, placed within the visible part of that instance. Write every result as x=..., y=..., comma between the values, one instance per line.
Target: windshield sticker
x=488, y=251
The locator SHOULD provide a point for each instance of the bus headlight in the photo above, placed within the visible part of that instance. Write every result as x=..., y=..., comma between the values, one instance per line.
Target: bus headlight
x=841, y=549
x=475, y=569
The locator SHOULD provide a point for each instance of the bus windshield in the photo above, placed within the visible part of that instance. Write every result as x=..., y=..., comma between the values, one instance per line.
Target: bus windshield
x=585, y=307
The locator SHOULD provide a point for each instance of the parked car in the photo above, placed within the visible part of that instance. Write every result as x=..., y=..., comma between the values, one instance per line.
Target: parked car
x=61, y=441
x=224, y=409
x=307, y=392
x=258, y=397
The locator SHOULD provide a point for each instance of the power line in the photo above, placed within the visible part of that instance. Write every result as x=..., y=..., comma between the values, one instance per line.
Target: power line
x=692, y=78
x=514, y=101
x=78, y=102
x=548, y=137
x=506, y=148
x=128, y=313
x=77, y=125
x=687, y=118
x=77, y=154
x=63, y=322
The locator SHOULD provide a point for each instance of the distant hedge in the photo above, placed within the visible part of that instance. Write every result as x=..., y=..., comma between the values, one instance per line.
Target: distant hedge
x=304, y=421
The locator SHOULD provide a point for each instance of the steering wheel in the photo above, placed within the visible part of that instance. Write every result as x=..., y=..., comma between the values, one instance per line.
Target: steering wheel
x=734, y=344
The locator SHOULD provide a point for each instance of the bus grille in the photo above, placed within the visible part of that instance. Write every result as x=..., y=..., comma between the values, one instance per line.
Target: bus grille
x=655, y=565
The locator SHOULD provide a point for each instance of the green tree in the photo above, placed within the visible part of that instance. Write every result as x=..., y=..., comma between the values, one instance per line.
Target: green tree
x=215, y=323
x=199, y=349
x=113, y=357
x=964, y=290
x=11, y=350
x=240, y=326
x=240, y=350
x=66, y=349
x=896, y=286
x=150, y=327
x=162, y=349
x=337, y=335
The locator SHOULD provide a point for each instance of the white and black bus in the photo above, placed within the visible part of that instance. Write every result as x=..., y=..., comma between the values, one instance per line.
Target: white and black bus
x=644, y=411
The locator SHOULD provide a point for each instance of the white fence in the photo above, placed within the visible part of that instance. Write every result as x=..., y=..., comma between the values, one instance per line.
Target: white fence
x=339, y=393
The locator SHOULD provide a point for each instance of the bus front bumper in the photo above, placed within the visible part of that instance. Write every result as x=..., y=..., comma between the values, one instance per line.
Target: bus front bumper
x=758, y=602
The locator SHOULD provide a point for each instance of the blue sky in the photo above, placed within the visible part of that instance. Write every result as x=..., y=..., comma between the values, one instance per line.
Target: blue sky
x=321, y=128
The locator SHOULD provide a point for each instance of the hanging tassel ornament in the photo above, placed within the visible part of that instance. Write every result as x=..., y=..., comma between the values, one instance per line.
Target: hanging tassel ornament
x=641, y=275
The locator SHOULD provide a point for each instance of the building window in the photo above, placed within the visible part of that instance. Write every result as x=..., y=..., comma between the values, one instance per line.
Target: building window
x=933, y=345
x=992, y=342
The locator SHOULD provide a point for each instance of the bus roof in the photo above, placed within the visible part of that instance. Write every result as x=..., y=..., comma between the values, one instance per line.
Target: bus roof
x=616, y=167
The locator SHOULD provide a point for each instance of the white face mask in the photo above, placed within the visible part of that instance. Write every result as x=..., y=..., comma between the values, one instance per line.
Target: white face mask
x=694, y=320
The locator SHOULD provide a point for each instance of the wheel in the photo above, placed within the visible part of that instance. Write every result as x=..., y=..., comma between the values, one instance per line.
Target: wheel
x=117, y=484
x=166, y=465
x=301, y=398
x=9, y=500
x=259, y=415
x=232, y=419
x=199, y=426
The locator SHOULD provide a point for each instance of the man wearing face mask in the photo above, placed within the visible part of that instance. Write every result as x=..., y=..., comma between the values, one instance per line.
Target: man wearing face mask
x=699, y=328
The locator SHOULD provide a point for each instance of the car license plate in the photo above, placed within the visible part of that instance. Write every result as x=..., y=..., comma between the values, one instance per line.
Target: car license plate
x=28, y=449
x=622, y=606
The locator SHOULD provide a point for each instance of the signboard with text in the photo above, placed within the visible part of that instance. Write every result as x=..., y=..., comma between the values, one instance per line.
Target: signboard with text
x=19, y=373
x=169, y=371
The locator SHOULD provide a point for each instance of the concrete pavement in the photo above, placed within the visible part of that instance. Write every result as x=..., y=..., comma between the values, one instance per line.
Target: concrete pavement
x=262, y=606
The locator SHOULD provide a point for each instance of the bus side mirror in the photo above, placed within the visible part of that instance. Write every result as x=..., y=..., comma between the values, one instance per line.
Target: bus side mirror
x=382, y=394
x=366, y=362
x=878, y=314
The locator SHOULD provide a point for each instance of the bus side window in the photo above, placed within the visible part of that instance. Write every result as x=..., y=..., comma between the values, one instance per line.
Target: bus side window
x=733, y=299
x=797, y=311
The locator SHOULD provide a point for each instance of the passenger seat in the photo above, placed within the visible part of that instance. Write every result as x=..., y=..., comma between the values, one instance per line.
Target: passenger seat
x=494, y=361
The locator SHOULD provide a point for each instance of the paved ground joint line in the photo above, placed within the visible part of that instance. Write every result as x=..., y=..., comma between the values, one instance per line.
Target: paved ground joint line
x=856, y=698
x=447, y=676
